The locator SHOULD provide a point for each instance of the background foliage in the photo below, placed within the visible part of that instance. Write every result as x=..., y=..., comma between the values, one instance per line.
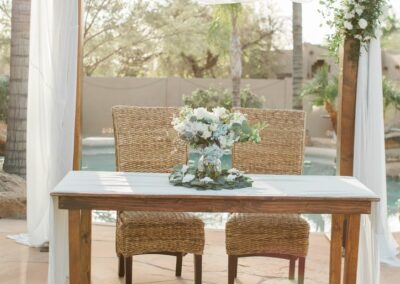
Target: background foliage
x=213, y=97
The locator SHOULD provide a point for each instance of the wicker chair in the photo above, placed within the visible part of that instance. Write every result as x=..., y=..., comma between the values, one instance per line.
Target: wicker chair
x=274, y=235
x=146, y=142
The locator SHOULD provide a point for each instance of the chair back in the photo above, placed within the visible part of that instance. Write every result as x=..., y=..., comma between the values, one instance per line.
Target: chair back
x=145, y=140
x=281, y=150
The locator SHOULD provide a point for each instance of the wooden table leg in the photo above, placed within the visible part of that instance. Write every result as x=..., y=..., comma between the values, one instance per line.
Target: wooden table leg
x=74, y=219
x=352, y=242
x=86, y=242
x=335, y=264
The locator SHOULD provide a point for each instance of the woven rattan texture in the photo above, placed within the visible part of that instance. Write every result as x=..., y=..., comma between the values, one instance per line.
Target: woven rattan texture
x=145, y=232
x=281, y=151
x=267, y=233
x=145, y=141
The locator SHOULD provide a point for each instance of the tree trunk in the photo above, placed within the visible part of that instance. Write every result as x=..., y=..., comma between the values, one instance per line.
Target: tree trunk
x=297, y=72
x=236, y=60
x=15, y=157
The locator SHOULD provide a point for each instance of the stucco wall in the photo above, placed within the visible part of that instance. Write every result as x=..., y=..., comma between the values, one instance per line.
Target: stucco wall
x=100, y=94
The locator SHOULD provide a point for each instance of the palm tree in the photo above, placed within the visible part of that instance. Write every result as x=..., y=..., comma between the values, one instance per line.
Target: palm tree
x=15, y=157
x=228, y=14
x=297, y=73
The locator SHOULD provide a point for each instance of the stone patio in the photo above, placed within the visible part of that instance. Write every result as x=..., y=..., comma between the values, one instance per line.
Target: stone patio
x=20, y=264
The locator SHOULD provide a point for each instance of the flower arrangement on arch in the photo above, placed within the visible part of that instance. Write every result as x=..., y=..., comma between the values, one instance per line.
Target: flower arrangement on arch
x=212, y=132
x=357, y=19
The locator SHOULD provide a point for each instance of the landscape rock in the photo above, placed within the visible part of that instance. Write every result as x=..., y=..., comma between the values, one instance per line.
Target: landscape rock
x=12, y=196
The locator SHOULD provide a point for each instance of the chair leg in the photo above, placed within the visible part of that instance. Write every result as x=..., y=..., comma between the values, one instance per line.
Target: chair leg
x=128, y=270
x=235, y=265
x=232, y=268
x=121, y=266
x=292, y=268
x=302, y=268
x=178, y=269
x=198, y=261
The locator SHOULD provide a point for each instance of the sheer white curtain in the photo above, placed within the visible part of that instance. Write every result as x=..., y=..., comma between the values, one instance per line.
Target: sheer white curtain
x=51, y=107
x=376, y=242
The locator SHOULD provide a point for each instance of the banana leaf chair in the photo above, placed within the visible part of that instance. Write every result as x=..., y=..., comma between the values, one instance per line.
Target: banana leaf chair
x=146, y=142
x=281, y=151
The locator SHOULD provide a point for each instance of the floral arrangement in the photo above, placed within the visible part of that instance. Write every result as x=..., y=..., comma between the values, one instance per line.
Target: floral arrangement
x=212, y=132
x=357, y=19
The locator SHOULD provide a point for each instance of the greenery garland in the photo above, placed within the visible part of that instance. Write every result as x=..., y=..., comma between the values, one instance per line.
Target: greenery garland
x=354, y=19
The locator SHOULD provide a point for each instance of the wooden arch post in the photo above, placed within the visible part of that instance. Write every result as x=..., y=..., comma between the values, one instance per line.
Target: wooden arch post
x=346, y=234
x=79, y=80
x=347, y=108
x=81, y=235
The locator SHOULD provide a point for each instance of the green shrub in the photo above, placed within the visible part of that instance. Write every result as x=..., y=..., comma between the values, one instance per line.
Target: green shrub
x=391, y=95
x=212, y=97
x=4, y=88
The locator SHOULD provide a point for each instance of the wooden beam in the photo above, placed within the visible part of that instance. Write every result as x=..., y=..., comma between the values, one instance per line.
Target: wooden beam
x=79, y=82
x=346, y=108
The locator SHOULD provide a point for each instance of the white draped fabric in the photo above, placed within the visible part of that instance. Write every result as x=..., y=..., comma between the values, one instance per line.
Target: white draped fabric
x=51, y=107
x=376, y=242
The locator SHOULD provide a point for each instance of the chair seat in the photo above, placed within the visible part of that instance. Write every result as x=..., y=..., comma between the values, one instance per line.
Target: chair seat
x=251, y=234
x=149, y=232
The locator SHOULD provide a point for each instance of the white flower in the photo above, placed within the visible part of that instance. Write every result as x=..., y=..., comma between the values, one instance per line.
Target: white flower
x=198, y=127
x=206, y=134
x=349, y=15
x=348, y=25
x=188, y=178
x=180, y=127
x=234, y=171
x=206, y=180
x=362, y=23
x=222, y=141
x=219, y=111
x=238, y=118
x=359, y=10
x=231, y=177
x=359, y=37
x=184, y=169
x=201, y=113
x=213, y=127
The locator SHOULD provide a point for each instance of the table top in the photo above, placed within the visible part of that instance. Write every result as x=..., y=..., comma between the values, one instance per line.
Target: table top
x=106, y=184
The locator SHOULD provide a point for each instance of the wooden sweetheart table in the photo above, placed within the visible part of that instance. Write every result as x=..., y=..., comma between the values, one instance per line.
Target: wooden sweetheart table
x=81, y=192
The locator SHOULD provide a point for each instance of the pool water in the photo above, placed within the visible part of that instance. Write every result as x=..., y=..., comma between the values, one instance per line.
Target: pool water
x=101, y=157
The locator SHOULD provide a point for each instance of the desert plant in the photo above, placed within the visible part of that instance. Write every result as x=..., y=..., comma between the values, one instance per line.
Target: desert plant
x=324, y=90
x=391, y=95
x=213, y=97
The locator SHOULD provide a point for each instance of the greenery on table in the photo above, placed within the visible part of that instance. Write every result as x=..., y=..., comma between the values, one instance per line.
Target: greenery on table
x=214, y=97
x=226, y=179
x=212, y=133
x=355, y=19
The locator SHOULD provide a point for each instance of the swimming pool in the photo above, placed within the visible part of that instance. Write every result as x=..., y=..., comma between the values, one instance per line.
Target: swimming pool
x=98, y=155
